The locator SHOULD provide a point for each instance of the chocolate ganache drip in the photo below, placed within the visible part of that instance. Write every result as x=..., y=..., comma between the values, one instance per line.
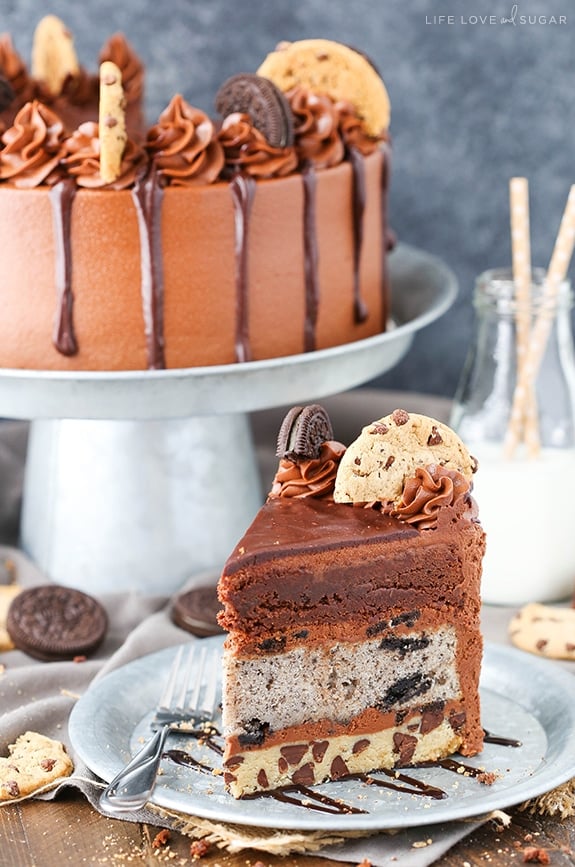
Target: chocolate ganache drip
x=61, y=198
x=148, y=196
x=311, y=257
x=356, y=160
x=243, y=190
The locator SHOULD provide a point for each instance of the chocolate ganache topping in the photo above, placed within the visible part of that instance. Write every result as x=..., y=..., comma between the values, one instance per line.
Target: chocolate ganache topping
x=432, y=488
x=312, y=477
x=247, y=150
x=33, y=147
x=316, y=128
x=82, y=160
x=184, y=147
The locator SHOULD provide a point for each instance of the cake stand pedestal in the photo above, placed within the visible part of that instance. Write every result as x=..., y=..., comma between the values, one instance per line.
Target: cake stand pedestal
x=136, y=480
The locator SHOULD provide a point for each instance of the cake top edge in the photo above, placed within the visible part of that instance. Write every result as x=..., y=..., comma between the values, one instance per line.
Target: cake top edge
x=266, y=127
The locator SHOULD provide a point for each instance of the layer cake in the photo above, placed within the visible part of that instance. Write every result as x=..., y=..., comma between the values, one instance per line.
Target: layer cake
x=259, y=234
x=352, y=609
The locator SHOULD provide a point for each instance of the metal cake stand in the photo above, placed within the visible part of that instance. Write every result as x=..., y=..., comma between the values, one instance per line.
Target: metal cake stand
x=138, y=479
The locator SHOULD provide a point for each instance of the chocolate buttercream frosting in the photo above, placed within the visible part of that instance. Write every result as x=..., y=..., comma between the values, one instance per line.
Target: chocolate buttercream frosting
x=316, y=128
x=82, y=160
x=33, y=147
x=314, y=477
x=247, y=150
x=119, y=51
x=431, y=489
x=184, y=147
x=353, y=131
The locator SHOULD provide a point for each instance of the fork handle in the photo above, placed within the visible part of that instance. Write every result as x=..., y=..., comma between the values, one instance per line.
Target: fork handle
x=131, y=788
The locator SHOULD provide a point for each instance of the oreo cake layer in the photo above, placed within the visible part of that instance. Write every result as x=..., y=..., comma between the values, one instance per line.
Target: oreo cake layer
x=354, y=638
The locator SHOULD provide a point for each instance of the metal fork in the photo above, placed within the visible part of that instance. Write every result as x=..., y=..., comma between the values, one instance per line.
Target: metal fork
x=133, y=786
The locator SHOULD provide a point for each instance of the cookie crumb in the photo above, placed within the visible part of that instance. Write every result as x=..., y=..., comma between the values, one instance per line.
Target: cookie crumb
x=161, y=839
x=199, y=848
x=533, y=855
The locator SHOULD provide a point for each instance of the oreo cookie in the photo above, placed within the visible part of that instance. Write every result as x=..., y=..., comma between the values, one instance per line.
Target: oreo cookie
x=303, y=432
x=51, y=622
x=6, y=93
x=266, y=105
x=196, y=611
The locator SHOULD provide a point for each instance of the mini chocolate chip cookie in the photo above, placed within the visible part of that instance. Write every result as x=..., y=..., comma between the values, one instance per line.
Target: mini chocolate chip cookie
x=35, y=763
x=51, y=622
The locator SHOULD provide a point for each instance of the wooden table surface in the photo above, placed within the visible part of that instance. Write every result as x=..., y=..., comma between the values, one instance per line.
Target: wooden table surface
x=69, y=831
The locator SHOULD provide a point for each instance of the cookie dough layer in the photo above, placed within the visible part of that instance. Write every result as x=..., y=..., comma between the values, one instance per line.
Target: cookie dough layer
x=315, y=761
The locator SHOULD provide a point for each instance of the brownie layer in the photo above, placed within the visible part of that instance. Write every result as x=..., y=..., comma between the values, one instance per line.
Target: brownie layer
x=305, y=563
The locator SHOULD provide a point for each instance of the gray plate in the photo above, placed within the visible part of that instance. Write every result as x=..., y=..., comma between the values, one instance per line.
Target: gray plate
x=523, y=697
x=423, y=288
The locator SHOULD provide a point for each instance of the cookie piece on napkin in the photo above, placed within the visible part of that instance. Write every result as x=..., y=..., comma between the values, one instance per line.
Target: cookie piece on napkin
x=34, y=763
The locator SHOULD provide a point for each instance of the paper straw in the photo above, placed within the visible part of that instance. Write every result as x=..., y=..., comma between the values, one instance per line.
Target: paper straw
x=521, y=260
x=556, y=273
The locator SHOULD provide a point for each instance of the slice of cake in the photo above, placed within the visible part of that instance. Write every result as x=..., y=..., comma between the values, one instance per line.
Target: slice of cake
x=352, y=607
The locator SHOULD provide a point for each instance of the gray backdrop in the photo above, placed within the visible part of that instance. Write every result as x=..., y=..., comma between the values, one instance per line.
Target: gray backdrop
x=472, y=104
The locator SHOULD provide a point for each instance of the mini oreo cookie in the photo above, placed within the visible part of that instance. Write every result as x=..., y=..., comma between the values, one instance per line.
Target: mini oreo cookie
x=266, y=105
x=52, y=622
x=303, y=432
x=6, y=93
x=196, y=611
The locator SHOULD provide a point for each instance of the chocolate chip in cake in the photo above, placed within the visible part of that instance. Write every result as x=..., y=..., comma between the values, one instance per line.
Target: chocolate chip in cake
x=294, y=753
x=360, y=745
x=303, y=432
x=338, y=768
x=266, y=105
x=304, y=776
x=318, y=750
x=404, y=745
x=272, y=645
x=262, y=779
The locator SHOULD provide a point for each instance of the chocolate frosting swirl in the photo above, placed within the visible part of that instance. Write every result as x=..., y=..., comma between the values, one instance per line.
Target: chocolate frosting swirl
x=248, y=151
x=313, y=477
x=14, y=69
x=316, y=128
x=184, y=147
x=82, y=160
x=432, y=488
x=119, y=51
x=33, y=147
x=353, y=132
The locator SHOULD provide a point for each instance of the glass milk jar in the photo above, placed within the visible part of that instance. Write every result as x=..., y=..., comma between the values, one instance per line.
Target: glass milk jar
x=527, y=499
